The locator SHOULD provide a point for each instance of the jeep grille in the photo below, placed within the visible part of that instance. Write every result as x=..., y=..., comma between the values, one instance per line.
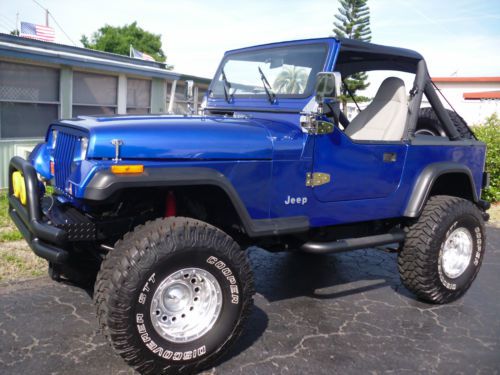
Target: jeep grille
x=63, y=158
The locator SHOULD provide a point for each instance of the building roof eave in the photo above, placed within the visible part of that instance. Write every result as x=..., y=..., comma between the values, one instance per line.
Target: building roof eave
x=482, y=95
x=67, y=58
x=465, y=79
x=58, y=54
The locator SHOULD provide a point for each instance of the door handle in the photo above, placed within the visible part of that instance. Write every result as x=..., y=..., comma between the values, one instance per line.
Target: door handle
x=390, y=157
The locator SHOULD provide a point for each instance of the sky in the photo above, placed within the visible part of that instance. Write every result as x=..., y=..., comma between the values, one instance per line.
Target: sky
x=456, y=37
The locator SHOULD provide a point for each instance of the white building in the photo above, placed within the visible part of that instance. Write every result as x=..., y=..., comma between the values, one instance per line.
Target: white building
x=474, y=98
x=41, y=82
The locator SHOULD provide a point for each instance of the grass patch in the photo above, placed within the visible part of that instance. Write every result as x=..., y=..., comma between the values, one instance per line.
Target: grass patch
x=4, y=207
x=17, y=261
x=10, y=235
x=8, y=231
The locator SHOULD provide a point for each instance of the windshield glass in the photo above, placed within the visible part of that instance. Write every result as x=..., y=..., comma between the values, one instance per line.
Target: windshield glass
x=290, y=71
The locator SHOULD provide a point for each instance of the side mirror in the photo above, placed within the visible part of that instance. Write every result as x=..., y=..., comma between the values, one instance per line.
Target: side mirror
x=327, y=86
x=188, y=90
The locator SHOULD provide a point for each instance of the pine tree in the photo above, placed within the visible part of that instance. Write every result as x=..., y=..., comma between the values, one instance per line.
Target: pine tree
x=353, y=22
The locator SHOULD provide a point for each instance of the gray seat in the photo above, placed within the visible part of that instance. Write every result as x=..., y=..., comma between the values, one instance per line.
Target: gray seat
x=385, y=117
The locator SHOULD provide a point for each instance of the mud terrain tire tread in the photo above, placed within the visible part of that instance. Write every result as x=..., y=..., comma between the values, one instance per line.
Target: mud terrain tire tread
x=123, y=261
x=418, y=259
x=427, y=118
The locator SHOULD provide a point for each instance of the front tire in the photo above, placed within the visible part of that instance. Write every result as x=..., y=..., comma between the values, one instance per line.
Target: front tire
x=173, y=295
x=443, y=250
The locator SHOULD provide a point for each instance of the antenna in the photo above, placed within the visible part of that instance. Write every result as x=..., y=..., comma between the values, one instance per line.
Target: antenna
x=47, y=14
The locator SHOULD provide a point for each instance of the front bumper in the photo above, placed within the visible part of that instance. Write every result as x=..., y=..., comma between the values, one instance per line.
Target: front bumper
x=46, y=240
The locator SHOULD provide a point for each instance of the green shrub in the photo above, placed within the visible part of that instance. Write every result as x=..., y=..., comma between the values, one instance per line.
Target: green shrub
x=489, y=133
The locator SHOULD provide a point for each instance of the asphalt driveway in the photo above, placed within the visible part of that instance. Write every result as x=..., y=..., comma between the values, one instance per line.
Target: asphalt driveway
x=344, y=313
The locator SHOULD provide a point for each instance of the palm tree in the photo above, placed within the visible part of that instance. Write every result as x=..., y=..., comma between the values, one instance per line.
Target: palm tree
x=291, y=80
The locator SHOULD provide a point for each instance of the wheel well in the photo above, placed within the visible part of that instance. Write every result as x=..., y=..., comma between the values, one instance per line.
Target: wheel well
x=208, y=203
x=454, y=184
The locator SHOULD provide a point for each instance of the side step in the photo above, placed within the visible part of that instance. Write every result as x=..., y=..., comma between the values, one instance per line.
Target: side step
x=352, y=243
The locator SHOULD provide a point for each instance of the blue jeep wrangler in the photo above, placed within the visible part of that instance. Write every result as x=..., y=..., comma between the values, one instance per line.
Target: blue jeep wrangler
x=156, y=211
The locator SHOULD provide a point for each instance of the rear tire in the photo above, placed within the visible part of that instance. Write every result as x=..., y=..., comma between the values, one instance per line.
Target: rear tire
x=428, y=124
x=173, y=295
x=443, y=250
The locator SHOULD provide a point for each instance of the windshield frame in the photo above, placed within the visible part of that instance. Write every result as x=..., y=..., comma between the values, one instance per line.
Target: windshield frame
x=309, y=90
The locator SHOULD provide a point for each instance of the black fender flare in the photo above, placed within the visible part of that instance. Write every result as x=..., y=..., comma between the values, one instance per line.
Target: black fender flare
x=426, y=180
x=105, y=183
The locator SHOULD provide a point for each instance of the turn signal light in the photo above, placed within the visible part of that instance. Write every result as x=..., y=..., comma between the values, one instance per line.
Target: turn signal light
x=127, y=169
x=52, y=168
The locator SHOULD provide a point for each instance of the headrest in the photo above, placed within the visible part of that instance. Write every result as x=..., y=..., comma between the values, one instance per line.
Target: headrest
x=391, y=89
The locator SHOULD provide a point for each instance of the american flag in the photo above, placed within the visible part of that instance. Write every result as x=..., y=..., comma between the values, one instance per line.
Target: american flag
x=140, y=55
x=39, y=32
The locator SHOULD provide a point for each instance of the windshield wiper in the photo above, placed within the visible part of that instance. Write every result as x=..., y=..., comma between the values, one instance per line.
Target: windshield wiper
x=269, y=90
x=227, y=87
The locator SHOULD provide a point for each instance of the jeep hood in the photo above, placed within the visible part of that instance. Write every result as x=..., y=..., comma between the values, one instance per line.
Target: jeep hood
x=175, y=137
